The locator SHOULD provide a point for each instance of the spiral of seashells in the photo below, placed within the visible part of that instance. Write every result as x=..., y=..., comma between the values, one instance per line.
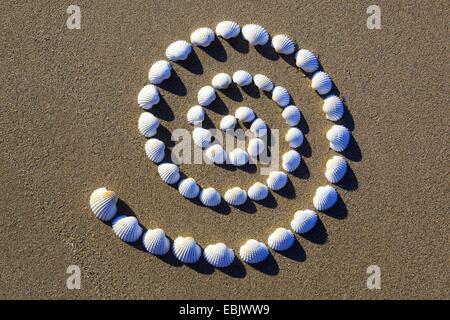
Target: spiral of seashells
x=228, y=29
x=154, y=148
x=202, y=37
x=195, y=115
x=291, y=160
x=253, y=252
x=148, y=124
x=228, y=123
x=333, y=108
x=103, y=203
x=321, y=82
x=235, y=196
x=156, y=242
x=294, y=137
x=148, y=97
x=339, y=137
x=210, y=197
x=242, y=78
x=127, y=228
x=218, y=255
x=189, y=188
x=238, y=157
x=263, y=82
x=281, y=96
x=202, y=137
x=281, y=239
x=255, y=34
x=244, y=114
x=221, y=81
x=186, y=250
x=255, y=147
x=325, y=198
x=159, y=72
x=283, y=44
x=206, y=95
x=306, y=60
x=277, y=180
x=216, y=154
x=178, y=50
x=335, y=169
x=169, y=173
x=304, y=221
x=291, y=115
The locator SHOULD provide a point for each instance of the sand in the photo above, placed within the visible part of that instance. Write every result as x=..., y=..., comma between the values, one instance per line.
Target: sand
x=68, y=124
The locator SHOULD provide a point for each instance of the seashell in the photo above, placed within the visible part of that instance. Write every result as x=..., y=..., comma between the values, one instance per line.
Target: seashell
x=148, y=124
x=195, y=115
x=228, y=123
x=202, y=137
x=258, y=191
x=253, y=252
x=291, y=160
x=188, y=188
x=103, y=204
x=235, y=196
x=154, y=148
x=148, y=97
x=127, y=228
x=259, y=128
x=263, y=82
x=244, y=114
x=339, y=137
x=306, y=60
x=218, y=255
x=221, y=81
x=159, y=72
x=277, y=180
x=294, y=137
x=156, y=242
x=281, y=239
x=336, y=169
x=255, y=34
x=228, y=29
x=255, y=147
x=291, y=115
x=283, y=44
x=186, y=250
x=178, y=50
x=210, y=197
x=216, y=154
x=325, y=198
x=321, y=82
x=238, y=157
x=206, y=95
x=333, y=108
x=304, y=221
x=281, y=96
x=202, y=37
x=169, y=173
x=242, y=78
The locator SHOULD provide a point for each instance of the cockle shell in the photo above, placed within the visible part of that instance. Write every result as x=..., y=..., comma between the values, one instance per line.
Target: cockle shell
x=169, y=173
x=188, y=188
x=291, y=115
x=216, y=154
x=148, y=124
x=321, y=82
x=255, y=147
x=210, y=197
x=259, y=128
x=258, y=191
x=325, y=198
x=186, y=250
x=154, y=148
x=253, y=252
x=178, y=50
x=202, y=37
x=304, y=221
x=336, y=169
x=127, y=228
x=281, y=239
x=339, y=137
x=148, y=97
x=283, y=44
x=159, y=72
x=103, y=204
x=291, y=160
x=281, y=96
x=333, y=108
x=263, y=82
x=255, y=34
x=235, y=196
x=221, y=81
x=206, y=95
x=228, y=123
x=156, y=242
x=195, y=115
x=277, y=180
x=306, y=60
x=202, y=137
x=242, y=78
x=244, y=114
x=228, y=29
x=238, y=157
x=294, y=137
x=218, y=255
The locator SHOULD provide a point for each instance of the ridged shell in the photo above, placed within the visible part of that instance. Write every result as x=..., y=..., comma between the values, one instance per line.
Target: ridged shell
x=294, y=137
x=216, y=154
x=333, y=108
x=306, y=60
x=202, y=137
x=281, y=239
x=291, y=115
x=228, y=123
x=169, y=173
x=259, y=128
x=253, y=252
x=238, y=157
x=258, y=191
x=255, y=147
x=283, y=44
x=206, y=95
x=148, y=124
x=244, y=114
x=103, y=204
x=195, y=115
x=255, y=34
x=178, y=50
x=127, y=228
x=263, y=82
x=335, y=169
x=304, y=221
x=325, y=198
x=228, y=29
x=148, y=97
x=159, y=72
x=339, y=137
x=154, y=148
x=235, y=196
x=186, y=250
x=242, y=78
x=188, y=188
x=277, y=180
x=321, y=82
x=202, y=37
x=281, y=96
x=291, y=160
x=210, y=197
x=156, y=242
x=221, y=81
x=218, y=255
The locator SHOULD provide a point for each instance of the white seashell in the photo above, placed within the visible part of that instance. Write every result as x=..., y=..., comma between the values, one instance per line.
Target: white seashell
x=291, y=115
x=235, y=196
x=336, y=169
x=103, y=204
x=238, y=157
x=253, y=252
x=259, y=128
x=127, y=228
x=242, y=78
x=202, y=137
x=218, y=255
x=202, y=37
x=186, y=250
x=178, y=50
x=283, y=44
x=188, y=188
x=228, y=123
x=263, y=82
x=281, y=239
x=221, y=81
x=195, y=115
x=228, y=29
x=216, y=154
x=148, y=124
x=169, y=173
x=206, y=95
x=339, y=137
x=148, y=97
x=306, y=60
x=321, y=82
x=291, y=160
x=281, y=96
x=333, y=108
x=244, y=114
x=277, y=180
x=156, y=242
x=154, y=148
x=210, y=197
x=159, y=72
x=304, y=221
x=325, y=198
x=258, y=191
x=294, y=137
x=255, y=34
x=255, y=147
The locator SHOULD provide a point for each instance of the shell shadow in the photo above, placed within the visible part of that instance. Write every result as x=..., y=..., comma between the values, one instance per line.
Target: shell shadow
x=233, y=93
x=174, y=85
x=339, y=210
x=352, y=152
x=288, y=191
x=218, y=106
x=295, y=252
x=267, y=51
x=239, y=44
x=269, y=201
x=248, y=206
x=302, y=172
x=222, y=208
x=251, y=90
x=202, y=266
x=349, y=181
x=269, y=266
x=207, y=123
x=305, y=149
x=303, y=125
x=347, y=118
x=235, y=270
x=249, y=168
x=290, y=59
x=216, y=51
x=163, y=111
x=165, y=135
x=318, y=234
x=192, y=63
